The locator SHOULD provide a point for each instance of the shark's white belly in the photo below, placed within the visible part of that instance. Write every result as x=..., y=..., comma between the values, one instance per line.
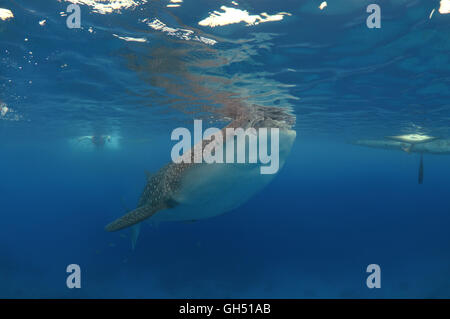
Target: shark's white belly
x=209, y=190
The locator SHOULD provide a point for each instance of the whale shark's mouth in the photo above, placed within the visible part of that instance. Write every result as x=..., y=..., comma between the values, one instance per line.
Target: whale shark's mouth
x=269, y=117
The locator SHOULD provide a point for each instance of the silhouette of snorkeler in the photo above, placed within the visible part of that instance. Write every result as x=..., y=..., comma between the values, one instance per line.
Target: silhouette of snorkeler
x=97, y=140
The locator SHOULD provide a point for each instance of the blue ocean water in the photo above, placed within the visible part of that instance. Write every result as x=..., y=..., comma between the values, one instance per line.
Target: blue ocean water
x=139, y=71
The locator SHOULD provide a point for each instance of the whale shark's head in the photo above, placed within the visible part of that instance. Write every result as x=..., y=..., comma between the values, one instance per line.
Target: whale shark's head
x=268, y=117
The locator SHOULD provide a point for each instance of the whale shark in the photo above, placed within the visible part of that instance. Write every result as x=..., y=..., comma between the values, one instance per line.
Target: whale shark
x=193, y=191
x=411, y=144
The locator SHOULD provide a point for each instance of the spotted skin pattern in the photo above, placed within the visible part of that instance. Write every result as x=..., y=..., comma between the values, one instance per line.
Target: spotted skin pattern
x=160, y=188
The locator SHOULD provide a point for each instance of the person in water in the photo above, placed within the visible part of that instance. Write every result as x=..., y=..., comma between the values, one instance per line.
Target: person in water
x=97, y=140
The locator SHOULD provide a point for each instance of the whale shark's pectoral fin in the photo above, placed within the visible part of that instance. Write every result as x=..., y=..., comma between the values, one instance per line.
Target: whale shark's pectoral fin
x=135, y=230
x=421, y=169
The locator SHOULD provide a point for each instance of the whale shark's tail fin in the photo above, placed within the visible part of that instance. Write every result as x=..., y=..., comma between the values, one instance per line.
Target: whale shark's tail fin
x=135, y=230
x=132, y=218
x=421, y=169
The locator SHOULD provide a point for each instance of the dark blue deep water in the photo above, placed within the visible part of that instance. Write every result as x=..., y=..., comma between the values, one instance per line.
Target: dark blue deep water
x=140, y=71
